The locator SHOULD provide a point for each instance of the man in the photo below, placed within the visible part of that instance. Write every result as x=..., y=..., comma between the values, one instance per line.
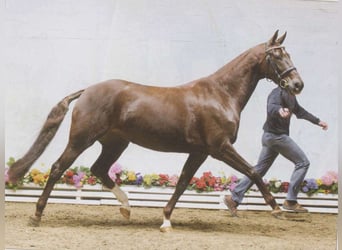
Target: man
x=275, y=140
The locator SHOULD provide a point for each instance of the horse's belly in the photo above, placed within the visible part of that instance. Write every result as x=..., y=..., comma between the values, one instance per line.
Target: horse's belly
x=160, y=142
x=165, y=140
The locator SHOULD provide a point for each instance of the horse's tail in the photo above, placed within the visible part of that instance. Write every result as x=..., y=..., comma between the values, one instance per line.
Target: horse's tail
x=46, y=134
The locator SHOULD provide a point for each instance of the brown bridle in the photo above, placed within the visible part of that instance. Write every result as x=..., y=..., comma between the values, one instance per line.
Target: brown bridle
x=283, y=82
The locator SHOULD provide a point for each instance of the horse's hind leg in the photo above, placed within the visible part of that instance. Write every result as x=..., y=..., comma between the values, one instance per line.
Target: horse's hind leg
x=63, y=163
x=110, y=153
x=192, y=164
x=228, y=154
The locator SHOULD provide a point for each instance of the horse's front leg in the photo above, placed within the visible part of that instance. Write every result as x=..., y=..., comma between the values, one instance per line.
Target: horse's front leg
x=192, y=164
x=227, y=153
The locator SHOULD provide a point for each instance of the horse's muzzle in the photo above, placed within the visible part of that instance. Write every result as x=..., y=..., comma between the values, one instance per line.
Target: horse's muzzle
x=296, y=87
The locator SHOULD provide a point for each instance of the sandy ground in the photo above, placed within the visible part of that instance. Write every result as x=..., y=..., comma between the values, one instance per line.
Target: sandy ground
x=102, y=227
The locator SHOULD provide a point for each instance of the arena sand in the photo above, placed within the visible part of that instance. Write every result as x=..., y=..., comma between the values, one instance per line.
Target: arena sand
x=66, y=226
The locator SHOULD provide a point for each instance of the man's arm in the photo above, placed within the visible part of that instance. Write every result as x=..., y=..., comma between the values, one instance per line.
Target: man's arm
x=301, y=113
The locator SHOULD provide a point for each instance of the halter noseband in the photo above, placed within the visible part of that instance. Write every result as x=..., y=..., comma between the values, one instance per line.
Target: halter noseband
x=282, y=81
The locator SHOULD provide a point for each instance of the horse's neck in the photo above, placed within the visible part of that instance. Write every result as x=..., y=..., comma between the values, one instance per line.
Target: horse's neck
x=239, y=78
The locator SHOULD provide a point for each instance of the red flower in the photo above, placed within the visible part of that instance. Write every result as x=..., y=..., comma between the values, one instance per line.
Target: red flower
x=163, y=179
x=209, y=179
x=284, y=187
x=207, y=175
x=201, y=185
x=118, y=181
x=68, y=177
x=211, y=182
x=91, y=180
x=69, y=173
x=194, y=180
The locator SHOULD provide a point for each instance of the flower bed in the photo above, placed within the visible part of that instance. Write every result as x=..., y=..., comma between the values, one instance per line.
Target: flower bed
x=207, y=182
x=159, y=196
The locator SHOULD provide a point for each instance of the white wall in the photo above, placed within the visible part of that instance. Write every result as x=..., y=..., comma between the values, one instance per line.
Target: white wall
x=53, y=48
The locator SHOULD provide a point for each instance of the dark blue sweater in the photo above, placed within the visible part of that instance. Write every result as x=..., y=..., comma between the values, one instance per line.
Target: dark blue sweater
x=281, y=98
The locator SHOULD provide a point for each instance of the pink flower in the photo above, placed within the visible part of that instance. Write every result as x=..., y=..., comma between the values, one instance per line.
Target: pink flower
x=114, y=170
x=218, y=180
x=329, y=178
x=232, y=186
x=77, y=178
x=334, y=176
x=233, y=178
x=173, y=180
x=218, y=187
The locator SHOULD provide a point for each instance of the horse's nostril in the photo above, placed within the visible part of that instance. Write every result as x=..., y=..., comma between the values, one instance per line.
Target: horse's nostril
x=298, y=86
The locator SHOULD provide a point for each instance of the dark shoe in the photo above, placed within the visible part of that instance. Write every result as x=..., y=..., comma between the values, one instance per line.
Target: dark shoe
x=232, y=205
x=294, y=206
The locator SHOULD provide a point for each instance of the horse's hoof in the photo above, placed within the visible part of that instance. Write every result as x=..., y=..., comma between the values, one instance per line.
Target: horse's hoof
x=165, y=229
x=126, y=212
x=33, y=221
x=277, y=212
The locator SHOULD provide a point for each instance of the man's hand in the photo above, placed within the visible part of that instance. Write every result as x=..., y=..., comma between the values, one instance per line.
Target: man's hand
x=324, y=125
x=284, y=112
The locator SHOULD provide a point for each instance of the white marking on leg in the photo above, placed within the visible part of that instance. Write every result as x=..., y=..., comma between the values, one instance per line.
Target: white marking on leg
x=125, y=209
x=166, y=226
x=120, y=195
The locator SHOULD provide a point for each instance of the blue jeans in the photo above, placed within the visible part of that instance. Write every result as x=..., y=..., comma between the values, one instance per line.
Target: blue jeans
x=272, y=146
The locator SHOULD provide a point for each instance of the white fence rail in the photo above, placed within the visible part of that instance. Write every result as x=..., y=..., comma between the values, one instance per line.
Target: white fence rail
x=158, y=197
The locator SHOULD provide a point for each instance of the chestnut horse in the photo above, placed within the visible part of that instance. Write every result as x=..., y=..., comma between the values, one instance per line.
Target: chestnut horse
x=200, y=118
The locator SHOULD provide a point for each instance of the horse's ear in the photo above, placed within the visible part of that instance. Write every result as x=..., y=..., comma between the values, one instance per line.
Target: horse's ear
x=273, y=40
x=281, y=39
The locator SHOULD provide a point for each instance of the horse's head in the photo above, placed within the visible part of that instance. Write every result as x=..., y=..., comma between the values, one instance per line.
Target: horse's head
x=279, y=67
